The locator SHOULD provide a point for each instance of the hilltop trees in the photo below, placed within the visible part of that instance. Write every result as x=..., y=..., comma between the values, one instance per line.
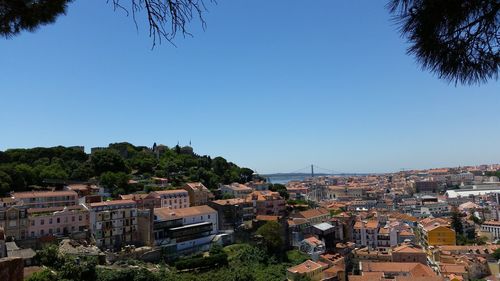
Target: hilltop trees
x=108, y=161
x=113, y=167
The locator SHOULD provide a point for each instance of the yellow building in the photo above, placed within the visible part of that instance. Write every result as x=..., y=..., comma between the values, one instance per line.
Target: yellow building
x=440, y=235
x=436, y=232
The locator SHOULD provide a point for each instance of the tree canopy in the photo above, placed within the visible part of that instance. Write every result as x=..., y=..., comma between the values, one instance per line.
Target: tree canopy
x=113, y=167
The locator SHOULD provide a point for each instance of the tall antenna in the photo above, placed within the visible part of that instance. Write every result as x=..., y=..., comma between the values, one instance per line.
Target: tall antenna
x=312, y=171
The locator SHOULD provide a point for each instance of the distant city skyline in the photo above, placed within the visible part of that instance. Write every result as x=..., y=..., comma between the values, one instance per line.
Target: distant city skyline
x=327, y=84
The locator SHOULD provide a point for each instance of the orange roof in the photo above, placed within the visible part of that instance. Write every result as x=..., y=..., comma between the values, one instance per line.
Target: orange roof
x=305, y=267
x=415, y=269
x=492, y=223
x=372, y=224
x=169, y=214
x=267, y=218
x=408, y=249
x=34, y=194
x=196, y=186
x=313, y=213
x=232, y=201
x=447, y=268
x=171, y=191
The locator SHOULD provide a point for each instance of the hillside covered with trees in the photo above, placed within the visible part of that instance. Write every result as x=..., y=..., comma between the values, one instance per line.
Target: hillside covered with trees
x=114, y=167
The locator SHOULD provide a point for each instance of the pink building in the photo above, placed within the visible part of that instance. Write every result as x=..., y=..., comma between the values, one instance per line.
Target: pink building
x=46, y=199
x=173, y=199
x=57, y=221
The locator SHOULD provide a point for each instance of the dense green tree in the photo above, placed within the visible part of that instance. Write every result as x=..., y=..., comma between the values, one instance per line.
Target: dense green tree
x=117, y=182
x=44, y=275
x=281, y=189
x=271, y=233
x=53, y=171
x=456, y=221
x=496, y=254
x=108, y=161
x=143, y=162
x=5, y=183
x=83, y=172
x=49, y=256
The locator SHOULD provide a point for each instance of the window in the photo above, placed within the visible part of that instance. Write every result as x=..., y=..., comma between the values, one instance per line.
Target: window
x=32, y=222
x=72, y=218
x=50, y=221
x=42, y=222
x=42, y=232
x=50, y=230
x=80, y=218
x=58, y=220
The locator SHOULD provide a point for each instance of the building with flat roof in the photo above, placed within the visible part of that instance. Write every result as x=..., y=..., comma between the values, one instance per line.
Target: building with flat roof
x=113, y=223
x=58, y=221
x=185, y=230
x=233, y=212
x=46, y=199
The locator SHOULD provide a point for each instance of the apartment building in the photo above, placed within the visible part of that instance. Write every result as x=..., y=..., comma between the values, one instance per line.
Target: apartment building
x=435, y=232
x=185, y=230
x=113, y=223
x=366, y=233
x=172, y=199
x=379, y=271
x=198, y=193
x=236, y=190
x=3, y=250
x=13, y=219
x=143, y=200
x=58, y=221
x=258, y=185
x=267, y=203
x=409, y=253
x=46, y=199
x=233, y=212
x=493, y=227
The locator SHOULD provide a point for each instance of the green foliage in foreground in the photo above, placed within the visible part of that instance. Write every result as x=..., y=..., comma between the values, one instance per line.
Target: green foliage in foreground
x=245, y=263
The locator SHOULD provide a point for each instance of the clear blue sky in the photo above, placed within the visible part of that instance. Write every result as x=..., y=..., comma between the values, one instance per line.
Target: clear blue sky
x=272, y=85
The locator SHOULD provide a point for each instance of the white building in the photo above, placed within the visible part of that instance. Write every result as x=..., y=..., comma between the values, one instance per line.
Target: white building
x=493, y=227
x=185, y=229
x=113, y=223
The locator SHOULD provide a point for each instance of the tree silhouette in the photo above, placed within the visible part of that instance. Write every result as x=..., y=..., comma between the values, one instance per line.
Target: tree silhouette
x=459, y=41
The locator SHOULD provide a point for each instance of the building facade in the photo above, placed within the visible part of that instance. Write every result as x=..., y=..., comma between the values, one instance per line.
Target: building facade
x=46, y=199
x=58, y=221
x=185, y=230
x=173, y=199
x=113, y=223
